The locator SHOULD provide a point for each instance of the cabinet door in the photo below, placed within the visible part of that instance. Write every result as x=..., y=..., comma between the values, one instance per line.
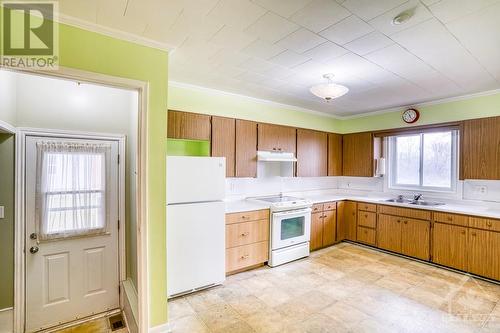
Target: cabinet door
x=415, y=238
x=389, y=232
x=341, y=226
x=312, y=153
x=357, y=155
x=481, y=149
x=188, y=126
x=334, y=154
x=224, y=142
x=316, y=231
x=484, y=253
x=449, y=245
x=246, y=148
x=329, y=227
x=277, y=138
x=350, y=219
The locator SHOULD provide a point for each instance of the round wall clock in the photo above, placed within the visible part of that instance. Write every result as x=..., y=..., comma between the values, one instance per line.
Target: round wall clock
x=410, y=116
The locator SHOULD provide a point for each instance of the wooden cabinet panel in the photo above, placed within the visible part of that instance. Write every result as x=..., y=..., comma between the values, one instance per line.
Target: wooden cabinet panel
x=350, y=219
x=449, y=245
x=480, y=156
x=367, y=207
x=312, y=153
x=189, y=126
x=334, y=154
x=483, y=254
x=330, y=205
x=224, y=142
x=238, y=234
x=247, y=216
x=246, y=256
x=389, y=232
x=317, y=208
x=405, y=212
x=357, y=155
x=451, y=218
x=366, y=235
x=329, y=227
x=316, y=231
x=367, y=219
x=415, y=238
x=483, y=223
x=246, y=148
x=276, y=138
x=341, y=225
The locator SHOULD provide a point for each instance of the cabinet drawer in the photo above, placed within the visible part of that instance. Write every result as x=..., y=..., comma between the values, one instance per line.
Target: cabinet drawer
x=451, y=218
x=486, y=224
x=329, y=206
x=316, y=208
x=246, y=256
x=367, y=207
x=406, y=212
x=367, y=219
x=366, y=235
x=247, y=216
x=246, y=233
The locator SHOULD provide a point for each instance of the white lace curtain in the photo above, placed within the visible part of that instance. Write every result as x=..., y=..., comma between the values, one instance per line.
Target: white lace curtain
x=71, y=194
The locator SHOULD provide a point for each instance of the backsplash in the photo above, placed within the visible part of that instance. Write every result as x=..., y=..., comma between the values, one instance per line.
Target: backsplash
x=484, y=190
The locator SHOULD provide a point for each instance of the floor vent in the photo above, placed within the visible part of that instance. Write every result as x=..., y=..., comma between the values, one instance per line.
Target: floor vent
x=116, y=322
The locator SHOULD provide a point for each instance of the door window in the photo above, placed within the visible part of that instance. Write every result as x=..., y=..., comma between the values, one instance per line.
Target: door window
x=71, y=191
x=292, y=227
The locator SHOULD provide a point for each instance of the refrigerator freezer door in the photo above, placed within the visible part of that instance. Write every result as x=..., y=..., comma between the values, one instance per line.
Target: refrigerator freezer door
x=195, y=179
x=195, y=246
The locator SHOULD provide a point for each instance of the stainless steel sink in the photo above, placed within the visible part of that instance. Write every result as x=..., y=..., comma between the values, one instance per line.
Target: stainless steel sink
x=426, y=203
x=398, y=200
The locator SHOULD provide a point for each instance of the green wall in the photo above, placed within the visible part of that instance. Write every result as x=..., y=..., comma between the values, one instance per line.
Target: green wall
x=178, y=147
x=7, y=224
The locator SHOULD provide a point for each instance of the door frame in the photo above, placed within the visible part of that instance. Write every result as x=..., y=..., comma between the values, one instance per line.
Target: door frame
x=142, y=88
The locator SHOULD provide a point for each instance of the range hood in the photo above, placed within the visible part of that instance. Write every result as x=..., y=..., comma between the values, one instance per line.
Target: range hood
x=271, y=156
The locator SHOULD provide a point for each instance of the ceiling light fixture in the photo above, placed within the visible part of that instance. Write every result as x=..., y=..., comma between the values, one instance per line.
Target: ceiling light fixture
x=402, y=18
x=330, y=90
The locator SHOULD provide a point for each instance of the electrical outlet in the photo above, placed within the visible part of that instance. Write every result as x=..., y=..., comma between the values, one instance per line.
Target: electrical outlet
x=481, y=189
x=2, y=212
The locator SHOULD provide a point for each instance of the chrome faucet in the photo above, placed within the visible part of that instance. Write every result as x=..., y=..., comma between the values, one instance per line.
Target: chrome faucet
x=417, y=197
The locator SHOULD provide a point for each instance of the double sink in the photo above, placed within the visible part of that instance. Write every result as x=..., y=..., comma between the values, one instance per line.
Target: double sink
x=415, y=202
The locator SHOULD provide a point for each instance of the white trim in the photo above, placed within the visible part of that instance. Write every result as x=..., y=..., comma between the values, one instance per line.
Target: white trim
x=163, y=328
x=7, y=127
x=254, y=99
x=115, y=33
x=6, y=319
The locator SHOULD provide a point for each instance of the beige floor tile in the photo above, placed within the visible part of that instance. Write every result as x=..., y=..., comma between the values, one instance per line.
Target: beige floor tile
x=178, y=308
x=317, y=323
x=238, y=327
x=269, y=321
x=248, y=305
x=219, y=316
x=203, y=300
x=188, y=324
x=345, y=314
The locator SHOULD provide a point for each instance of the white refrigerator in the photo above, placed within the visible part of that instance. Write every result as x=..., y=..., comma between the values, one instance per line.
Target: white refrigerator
x=195, y=223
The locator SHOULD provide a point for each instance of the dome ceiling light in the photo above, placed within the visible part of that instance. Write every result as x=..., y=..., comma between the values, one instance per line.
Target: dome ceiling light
x=402, y=18
x=330, y=90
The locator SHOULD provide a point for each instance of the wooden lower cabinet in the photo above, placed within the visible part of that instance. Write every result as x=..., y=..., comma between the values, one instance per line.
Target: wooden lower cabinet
x=246, y=233
x=316, y=231
x=241, y=257
x=389, y=233
x=415, y=238
x=449, y=245
x=323, y=229
x=484, y=253
x=350, y=220
x=366, y=235
x=329, y=227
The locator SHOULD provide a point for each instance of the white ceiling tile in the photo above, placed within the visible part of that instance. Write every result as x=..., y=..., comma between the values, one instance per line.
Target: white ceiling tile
x=228, y=71
x=284, y=8
x=431, y=42
x=279, y=72
x=479, y=33
x=273, y=83
x=301, y=41
x=232, y=38
x=228, y=57
x=383, y=23
x=256, y=65
x=449, y=10
x=195, y=50
x=236, y=13
x=313, y=69
x=85, y=10
x=271, y=27
x=429, y=2
x=289, y=59
x=320, y=14
x=325, y=52
x=262, y=49
x=111, y=13
x=368, y=9
x=347, y=30
x=369, y=43
x=251, y=77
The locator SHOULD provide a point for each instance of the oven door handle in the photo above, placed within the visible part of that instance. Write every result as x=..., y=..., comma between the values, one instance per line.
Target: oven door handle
x=293, y=212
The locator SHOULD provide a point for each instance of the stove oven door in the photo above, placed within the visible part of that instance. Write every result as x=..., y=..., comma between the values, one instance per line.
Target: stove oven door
x=290, y=228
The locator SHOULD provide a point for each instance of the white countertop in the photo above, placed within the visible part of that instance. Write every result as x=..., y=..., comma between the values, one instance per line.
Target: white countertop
x=458, y=206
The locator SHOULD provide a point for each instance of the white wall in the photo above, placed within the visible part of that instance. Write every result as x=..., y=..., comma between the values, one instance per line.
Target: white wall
x=8, y=97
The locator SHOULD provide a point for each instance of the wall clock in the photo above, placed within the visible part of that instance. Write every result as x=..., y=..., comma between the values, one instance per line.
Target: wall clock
x=411, y=116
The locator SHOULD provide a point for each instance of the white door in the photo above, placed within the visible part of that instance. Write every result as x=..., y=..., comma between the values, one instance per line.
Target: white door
x=71, y=230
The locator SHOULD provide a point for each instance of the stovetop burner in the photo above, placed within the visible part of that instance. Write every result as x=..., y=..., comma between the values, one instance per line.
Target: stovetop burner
x=279, y=199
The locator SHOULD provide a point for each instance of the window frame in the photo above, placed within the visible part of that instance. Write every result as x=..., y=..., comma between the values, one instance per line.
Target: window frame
x=392, y=174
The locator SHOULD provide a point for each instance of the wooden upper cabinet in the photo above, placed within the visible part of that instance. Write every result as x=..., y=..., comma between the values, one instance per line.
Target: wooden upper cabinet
x=480, y=158
x=334, y=154
x=357, y=155
x=277, y=138
x=224, y=141
x=189, y=126
x=246, y=148
x=312, y=153
x=449, y=245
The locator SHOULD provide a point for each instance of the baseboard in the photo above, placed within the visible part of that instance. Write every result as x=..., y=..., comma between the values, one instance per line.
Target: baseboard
x=7, y=320
x=163, y=328
x=130, y=306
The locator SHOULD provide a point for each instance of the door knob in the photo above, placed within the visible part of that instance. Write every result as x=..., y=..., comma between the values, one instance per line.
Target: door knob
x=34, y=249
x=33, y=236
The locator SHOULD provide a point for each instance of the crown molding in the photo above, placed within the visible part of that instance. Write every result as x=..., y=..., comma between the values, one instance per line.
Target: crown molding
x=115, y=33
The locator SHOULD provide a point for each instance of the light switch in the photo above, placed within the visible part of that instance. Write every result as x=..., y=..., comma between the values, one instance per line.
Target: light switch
x=2, y=214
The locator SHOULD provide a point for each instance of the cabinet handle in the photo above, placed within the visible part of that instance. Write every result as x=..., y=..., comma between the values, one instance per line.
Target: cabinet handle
x=406, y=222
x=463, y=232
x=449, y=218
x=244, y=217
x=366, y=215
x=243, y=257
x=399, y=221
x=274, y=148
x=353, y=214
x=473, y=234
x=488, y=223
x=279, y=149
x=245, y=234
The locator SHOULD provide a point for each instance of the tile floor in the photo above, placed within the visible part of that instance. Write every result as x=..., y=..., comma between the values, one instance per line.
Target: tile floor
x=95, y=326
x=344, y=288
